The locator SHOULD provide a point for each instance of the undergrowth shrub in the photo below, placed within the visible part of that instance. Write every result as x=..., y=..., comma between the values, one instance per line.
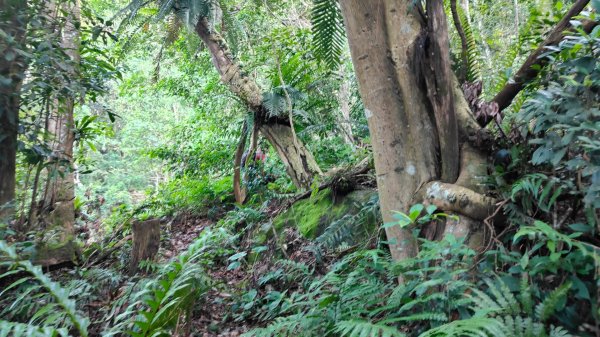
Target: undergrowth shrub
x=159, y=305
x=195, y=195
x=359, y=295
x=39, y=306
x=562, y=120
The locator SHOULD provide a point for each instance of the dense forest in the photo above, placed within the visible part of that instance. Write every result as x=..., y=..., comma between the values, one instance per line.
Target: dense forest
x=343, y=168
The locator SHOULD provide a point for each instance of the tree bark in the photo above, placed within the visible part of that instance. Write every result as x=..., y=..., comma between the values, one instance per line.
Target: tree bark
x=13, y=22
x=238, y=190
x=344, y=121
x=439, y=87
x=417, y=115
x=299, y=162
x=383, y=35
x=146, y=242
x=59, y=209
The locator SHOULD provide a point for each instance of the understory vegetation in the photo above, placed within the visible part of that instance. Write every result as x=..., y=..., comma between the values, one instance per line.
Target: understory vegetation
x=232, y=168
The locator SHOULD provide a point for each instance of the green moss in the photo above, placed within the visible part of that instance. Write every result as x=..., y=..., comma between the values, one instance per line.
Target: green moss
x=311, y=216
x=52, y=253
x=307, y=214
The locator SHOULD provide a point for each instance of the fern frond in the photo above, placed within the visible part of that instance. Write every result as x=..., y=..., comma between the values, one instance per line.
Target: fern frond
x=282, y=327
x=360, y=328
x=328, y=31
x=233, y=29
x=559, y=332
x=61, y=296
x=473, y=327
x=28, y=330
x=552, y=302
x=425, y=316
x=472, y=52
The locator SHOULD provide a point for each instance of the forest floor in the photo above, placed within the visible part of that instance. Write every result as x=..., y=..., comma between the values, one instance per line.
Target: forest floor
x=215, y=316
x=212, y=319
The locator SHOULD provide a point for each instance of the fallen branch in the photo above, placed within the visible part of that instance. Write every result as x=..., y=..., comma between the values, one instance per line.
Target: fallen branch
x=108, y=252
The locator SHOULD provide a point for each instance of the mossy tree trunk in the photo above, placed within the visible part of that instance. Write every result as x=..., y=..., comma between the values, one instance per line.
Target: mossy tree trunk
x=299, y=162
x=58, y=211
x=13, y=22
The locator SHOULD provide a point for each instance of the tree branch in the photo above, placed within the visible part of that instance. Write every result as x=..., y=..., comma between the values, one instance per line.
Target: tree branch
x=530, y=69
x=238, y=191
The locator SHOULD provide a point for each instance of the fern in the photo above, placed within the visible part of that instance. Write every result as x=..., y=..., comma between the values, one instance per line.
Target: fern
x=359, y=328
x=234, y=31
x=158, y=307
x=537, y=188
x=552, y=302
x=358, y=296
x=472, y=52
x=28, y=330
x=473, y=327
x=61, y=311
x=344, y=229
x=512, y=314
x=328, y=31
x=281, y=327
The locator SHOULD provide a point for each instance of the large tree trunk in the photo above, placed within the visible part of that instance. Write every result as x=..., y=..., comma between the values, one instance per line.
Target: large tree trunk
x=59, y=210
x=299, y=162
x=13, y=22
x=415, y=113
x=383, y=36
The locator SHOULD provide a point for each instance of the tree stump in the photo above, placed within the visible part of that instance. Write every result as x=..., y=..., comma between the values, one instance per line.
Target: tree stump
x=146, y=240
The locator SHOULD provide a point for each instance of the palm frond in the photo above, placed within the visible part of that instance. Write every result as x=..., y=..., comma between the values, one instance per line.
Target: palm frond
x=328, y=31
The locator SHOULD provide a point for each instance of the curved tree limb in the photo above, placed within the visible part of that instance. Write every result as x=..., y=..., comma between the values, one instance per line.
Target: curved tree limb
x=530, y=69
x=299, y=162
x=457, y=199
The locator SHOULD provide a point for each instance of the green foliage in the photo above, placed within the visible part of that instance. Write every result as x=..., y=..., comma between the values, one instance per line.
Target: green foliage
x=515, y=315
x=54, y=314
x=470, y=327
x=328, y=31
x=358, y=296
x=498, y=312
x=340, y=232
x=28, y=330
x=357, y=328
x=195, y=195
x=537, y=190
x=564, y=114
x=159, y=306
x=473, y=69
x=544, y=234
